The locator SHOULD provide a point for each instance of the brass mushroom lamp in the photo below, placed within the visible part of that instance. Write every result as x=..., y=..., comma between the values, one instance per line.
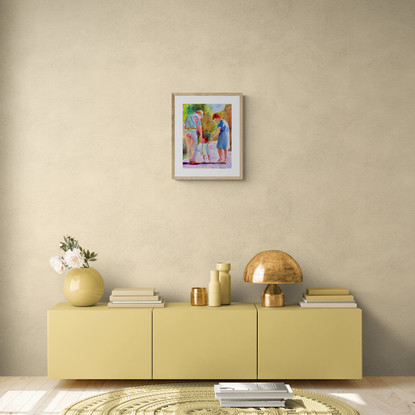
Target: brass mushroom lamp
x=273, y=268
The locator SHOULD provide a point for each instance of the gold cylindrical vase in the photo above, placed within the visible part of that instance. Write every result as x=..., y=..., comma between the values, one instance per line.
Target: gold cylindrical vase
x=198, y=296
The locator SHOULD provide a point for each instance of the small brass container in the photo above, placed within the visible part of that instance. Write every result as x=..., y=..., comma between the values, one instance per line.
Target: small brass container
x=198, y=296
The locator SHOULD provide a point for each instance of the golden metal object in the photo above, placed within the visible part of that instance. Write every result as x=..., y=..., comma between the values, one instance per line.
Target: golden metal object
x=272, y=268
x=198, y=296
x=272, y=296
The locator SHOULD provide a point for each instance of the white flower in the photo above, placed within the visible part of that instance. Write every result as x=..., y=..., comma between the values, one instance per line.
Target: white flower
x=57, y=264
x=74, y=258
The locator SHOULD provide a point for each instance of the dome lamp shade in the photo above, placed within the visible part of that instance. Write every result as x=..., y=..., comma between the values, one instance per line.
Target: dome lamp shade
x=273, y=268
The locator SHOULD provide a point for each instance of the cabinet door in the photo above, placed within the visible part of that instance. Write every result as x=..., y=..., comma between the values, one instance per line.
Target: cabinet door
x=204, y=342
x=99, y=343
x=297, y=343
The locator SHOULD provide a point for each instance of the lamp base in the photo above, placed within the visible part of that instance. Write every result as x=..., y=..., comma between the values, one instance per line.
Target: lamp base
x=272, y=296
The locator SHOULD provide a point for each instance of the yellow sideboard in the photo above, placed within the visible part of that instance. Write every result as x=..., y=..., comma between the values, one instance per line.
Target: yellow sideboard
x=99, y=342
x=298, y=343
x=239, y=341
x=193, y=342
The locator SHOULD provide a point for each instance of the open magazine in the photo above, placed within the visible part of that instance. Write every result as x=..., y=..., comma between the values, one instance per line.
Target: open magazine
x=255, y=394
x=253, y=386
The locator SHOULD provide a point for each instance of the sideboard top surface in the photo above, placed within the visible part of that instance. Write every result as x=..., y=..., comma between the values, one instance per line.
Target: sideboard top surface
x=291, y=307
x=170, y=306
x=101, y=307
x=295, y=307
x=206, y=308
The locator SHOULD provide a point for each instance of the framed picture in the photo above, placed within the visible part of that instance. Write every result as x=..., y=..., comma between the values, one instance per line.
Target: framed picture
x=207, y=136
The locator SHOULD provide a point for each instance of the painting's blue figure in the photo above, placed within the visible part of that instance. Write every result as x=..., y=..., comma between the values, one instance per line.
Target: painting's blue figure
x=222, y=132
x=193, y=129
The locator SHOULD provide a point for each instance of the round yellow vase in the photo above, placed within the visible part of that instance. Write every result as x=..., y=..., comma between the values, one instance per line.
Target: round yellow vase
x=83, y=287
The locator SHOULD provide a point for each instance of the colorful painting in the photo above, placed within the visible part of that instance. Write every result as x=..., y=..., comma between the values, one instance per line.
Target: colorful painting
x=207, y=136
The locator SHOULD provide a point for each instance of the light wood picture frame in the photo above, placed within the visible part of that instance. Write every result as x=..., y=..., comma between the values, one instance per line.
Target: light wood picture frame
x=207, y=140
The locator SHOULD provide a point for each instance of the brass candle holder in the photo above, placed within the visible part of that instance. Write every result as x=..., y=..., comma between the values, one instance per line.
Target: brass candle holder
x=198, y=296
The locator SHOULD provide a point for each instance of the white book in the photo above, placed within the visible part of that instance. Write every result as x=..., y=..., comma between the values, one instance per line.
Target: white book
x=253, y=386
x=134, y=297
x=327, y=305
x=138, y=302
x=261, y=392
x=147, y=305
x=245, y=403
x=327, y=302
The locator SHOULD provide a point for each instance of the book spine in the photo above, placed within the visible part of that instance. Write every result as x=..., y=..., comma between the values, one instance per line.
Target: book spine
x=328, y=298
x=134, y=297
x=138, y=302
x=254, y=396
x=133, y=291
x=126, y=305
x=249, y=404
x=327, y=305
x=328, y=291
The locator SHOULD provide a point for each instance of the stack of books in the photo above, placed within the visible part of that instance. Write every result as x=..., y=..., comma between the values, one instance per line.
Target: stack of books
x=253, y=395
x=135, y=297
x=327, y=298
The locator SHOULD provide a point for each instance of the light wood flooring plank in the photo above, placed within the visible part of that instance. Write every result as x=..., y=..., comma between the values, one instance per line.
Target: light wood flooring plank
x=15, y=398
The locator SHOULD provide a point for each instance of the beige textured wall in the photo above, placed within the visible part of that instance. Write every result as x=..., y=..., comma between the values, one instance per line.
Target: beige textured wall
x=329, y=141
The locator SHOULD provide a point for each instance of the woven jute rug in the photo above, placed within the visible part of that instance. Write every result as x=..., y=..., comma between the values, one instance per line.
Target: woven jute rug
x=197, y=399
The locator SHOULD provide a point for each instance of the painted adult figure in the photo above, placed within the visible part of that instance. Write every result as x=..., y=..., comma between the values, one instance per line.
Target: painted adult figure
x=193, y=130
x=222, y=132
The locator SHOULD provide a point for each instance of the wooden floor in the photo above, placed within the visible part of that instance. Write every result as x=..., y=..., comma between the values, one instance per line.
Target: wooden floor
x=39, y=395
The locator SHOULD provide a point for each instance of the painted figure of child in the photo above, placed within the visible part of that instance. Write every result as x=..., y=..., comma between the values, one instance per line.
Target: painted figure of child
x=205, y=149
x=222, y=132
